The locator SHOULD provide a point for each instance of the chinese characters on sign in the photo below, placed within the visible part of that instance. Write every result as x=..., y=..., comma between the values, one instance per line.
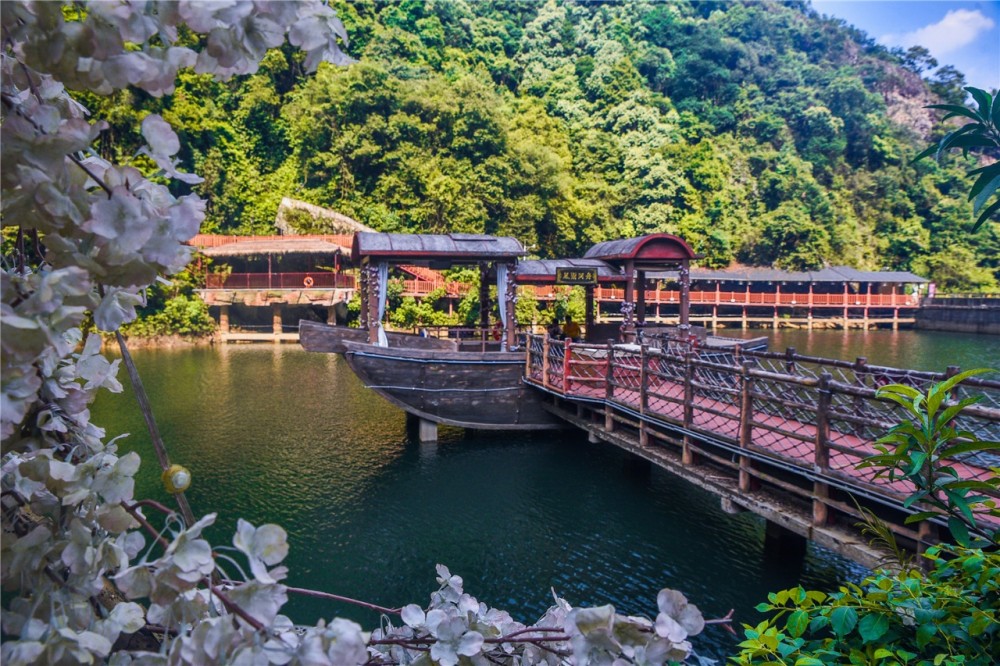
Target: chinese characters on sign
x=576, y=276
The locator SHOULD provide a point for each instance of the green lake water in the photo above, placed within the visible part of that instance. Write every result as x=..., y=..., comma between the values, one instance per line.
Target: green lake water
x=275, y=434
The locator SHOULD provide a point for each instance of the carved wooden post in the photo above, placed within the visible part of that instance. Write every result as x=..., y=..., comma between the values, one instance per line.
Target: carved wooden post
x=949, y=372
x=566, y=368
x=687, y=455
x=643, y=397
x=528, y=346
x=821, y=491
x=545, y=361
x=609, y=388
x=746, y=425
x=790, y=360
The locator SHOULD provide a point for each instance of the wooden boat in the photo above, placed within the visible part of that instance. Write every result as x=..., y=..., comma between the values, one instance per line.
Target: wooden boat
x=478, y=385
x=471, y=389
x=318, y=337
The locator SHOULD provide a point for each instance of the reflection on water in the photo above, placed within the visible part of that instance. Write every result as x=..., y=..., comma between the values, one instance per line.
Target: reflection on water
x=915, y=350
x=275, y=434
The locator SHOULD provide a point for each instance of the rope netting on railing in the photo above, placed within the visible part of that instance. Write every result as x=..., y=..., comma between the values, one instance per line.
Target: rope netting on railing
x=819, y=415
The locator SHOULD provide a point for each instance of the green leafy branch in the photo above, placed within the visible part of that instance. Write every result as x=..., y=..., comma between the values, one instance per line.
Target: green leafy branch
x=982, y=132
x=922, y=449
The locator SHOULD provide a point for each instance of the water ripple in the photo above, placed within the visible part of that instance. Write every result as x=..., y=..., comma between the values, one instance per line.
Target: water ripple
x=279, y=435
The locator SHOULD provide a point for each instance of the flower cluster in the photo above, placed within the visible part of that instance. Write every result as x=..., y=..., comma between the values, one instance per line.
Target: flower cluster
x=79, y=552
x=456, y=625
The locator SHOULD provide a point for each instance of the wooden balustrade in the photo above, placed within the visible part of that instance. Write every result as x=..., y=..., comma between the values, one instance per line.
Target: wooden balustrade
x=796, y=422
x=307, y=280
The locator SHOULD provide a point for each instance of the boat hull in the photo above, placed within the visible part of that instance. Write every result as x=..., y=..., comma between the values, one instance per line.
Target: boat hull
x=479, y=390
x=317, y=337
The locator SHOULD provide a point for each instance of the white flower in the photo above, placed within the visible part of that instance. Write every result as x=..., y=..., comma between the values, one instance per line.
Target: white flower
x=454, y=639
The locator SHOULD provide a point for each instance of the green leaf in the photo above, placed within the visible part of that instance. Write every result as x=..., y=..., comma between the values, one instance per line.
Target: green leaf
x=950, y=383
x=923, y=515
x=984, y=100
x=988, y=213
x=808, y=661
x=955, y=110
x=843, y=619
x=959, y=531
x=882, y=653
x=797, y=623
x=925, y=632
x=989, y=188
x=873, y=626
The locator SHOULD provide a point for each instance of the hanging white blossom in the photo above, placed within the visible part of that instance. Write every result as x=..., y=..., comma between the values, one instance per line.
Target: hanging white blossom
x=79, y=553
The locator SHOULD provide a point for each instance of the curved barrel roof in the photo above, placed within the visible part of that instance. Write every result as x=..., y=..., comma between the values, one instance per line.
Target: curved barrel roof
x=651, y=250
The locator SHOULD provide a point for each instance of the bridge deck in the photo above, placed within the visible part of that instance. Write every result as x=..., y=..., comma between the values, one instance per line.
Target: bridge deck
x=794, y=423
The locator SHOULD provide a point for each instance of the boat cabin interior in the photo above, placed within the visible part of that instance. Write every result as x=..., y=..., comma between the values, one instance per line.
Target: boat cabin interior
x=495, y=256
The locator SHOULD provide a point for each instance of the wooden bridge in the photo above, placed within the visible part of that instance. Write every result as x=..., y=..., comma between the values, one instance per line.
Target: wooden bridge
x=779, y=434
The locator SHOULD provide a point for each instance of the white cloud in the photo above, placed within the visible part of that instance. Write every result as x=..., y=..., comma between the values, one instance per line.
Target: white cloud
x=958, y=28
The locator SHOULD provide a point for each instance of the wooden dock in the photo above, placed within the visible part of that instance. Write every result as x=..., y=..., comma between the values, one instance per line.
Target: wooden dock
x=778, y=434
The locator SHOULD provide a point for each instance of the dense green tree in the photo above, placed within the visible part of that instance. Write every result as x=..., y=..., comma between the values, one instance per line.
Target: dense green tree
x=758, y=130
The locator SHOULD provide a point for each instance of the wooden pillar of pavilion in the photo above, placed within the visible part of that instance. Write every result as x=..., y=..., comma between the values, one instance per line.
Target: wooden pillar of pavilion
x=684, y=275
x=507, y=303
x=588, y=315
x=484, y=298
x=846, y=296
x=363, y=279
x=371, y=283
x=868, y=302
x=628, y=306
x=640, y=301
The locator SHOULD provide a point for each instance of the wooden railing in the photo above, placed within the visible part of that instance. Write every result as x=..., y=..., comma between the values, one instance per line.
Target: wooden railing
x=313, y=280
x=741, y=298
x=797, y=422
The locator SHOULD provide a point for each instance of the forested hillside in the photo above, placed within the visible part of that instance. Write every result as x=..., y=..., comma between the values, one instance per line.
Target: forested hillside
x=760, y=132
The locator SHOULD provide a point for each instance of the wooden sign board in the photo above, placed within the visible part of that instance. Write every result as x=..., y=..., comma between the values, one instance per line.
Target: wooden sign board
x=576, y=276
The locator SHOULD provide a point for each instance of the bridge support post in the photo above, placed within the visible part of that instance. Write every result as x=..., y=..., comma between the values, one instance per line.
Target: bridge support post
x=927, y=535
x=427, y=431
x=895, y=319
x=276, y=320
x=224, y=319
x=780, y=543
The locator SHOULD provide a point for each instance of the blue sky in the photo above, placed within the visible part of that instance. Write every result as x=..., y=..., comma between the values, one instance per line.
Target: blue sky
x=963, y=33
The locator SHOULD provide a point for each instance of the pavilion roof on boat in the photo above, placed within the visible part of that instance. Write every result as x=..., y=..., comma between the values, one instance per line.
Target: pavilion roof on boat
x=435, y=250
x=546, y=271
x=496, y=257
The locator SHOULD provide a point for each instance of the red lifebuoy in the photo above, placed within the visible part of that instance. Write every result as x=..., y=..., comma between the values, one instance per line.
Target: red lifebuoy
x=308, y=281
